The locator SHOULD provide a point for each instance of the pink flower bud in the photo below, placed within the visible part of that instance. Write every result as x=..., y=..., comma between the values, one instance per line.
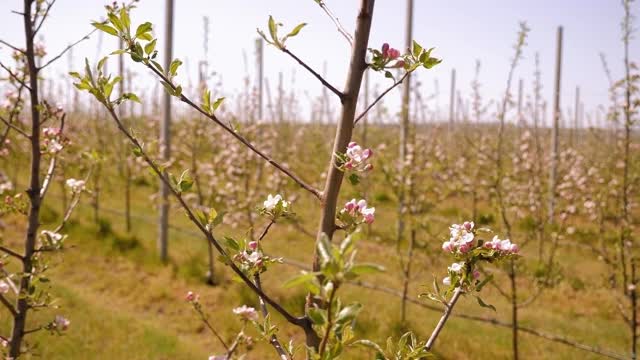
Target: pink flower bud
x=468, y=225
x=393, y=53
x=366, y=154
x=464, y=248
x=253, y=245
x=352, y=144
x=476, y=274
x=447, y=246
x=368, y=167
x=191, y=296
x=385, y=49
x=399, y=64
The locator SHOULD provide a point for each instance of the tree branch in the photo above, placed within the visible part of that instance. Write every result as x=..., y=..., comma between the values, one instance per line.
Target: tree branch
x=302, y=322
x=67, y=49
x=8, y=305
x=335, y=20
x=12, y=47
x=240, y=138
x=380, y=98
x=314, y=73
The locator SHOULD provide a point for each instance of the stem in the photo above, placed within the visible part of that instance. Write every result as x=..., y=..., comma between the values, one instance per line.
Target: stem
x=443, y=319
x=273, y=340
x=327, y=332
x=318, y=76
x=20, y=319
x=380, y=98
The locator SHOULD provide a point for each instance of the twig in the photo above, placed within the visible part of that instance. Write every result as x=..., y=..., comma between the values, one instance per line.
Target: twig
x=240, y=138
x=273, y=340
x=67, y=49
x=315, y=73
x=335, y=20
x=380, y=98
x=12, y=126
x=12, y=253
x=302, y=322
x=12, y=47
x=14, y=76
x=8, y=305
x=443, y=319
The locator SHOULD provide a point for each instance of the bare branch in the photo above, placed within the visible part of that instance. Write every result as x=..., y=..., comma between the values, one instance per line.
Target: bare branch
x=315, y=73
x=380, y=98
x=12, y=47
x=14, y=127
x=12, y=253
x=14, y=76
x=8, y=305
x=86, y=37
x=335, y=20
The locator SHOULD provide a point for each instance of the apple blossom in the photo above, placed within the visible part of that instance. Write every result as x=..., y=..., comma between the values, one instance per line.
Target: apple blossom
x=61, y=323
x=246, y=313
x=355, y=213
x=356, y=158
x=192, y=297
x=4, y=287
x=76, y=186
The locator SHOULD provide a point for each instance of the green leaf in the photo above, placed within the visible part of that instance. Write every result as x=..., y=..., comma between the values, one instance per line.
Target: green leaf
x=295, y=30
x=158, y=66
x=348, y=313
x=124, y=18
x=148, y=49
x=363, y=269
x=145, y=36
x=372, y=345
x=119, y=52
x=417, y=49
x=132, y=97
x=217, y=103
x=485, y=305
x=115, y=21
x=143, y=28
x=299, y=279
x=232, y=243
x=75, y=75
x=317, y=316
x=105, y=28
x=173, y=67
x=185, y=183
x=354, y=179
x=324, y=248
x=273, y=30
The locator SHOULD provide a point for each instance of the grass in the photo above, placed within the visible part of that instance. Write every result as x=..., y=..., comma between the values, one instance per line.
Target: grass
x=124, y=303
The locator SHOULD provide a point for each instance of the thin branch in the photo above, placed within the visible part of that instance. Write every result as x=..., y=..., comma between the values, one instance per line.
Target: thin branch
x=240, y=138
x=315, y=73
x=380, y=98
x=302, y=322
x=273, y=340
x=11, y=252
x=86, y=37
x=14, y=76
x=12, y=47
x=335, y=20
x=14, y=127
x=8, y=305
x=44, y=17
x=33, y=330
x=443, y=319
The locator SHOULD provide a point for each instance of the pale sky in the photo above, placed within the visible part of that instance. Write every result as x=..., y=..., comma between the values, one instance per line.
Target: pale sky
x=460, y=30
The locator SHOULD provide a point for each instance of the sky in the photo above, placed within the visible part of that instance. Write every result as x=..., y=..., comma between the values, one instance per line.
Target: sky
x=462, y=31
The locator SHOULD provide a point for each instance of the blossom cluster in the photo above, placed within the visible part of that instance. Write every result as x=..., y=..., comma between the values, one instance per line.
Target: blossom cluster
x=275, y=207
x=356, y=212
x=462, y=238
x=246, y=313
x=387, y=57
x=468, y=249
x=76, y=186
x=356, y=158
x=53, y=141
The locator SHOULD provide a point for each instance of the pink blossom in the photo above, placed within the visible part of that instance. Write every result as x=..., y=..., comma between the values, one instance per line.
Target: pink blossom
x=4, y=287
x=350, y=206
x=192, y=297
x=246, y=313
x=448, y=246
x=253, y=245
x=61, y=323
x=393, y=53
x=385, y=50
